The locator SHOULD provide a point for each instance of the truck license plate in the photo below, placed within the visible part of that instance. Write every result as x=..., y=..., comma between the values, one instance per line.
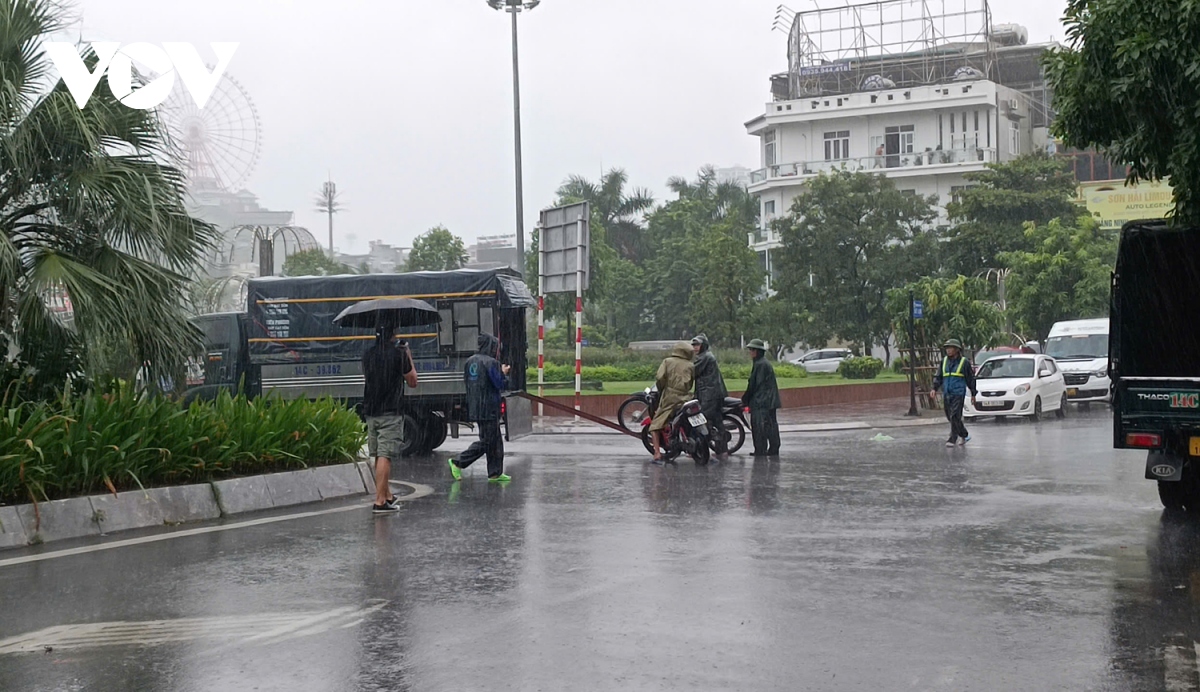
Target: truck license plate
x=1194, y=446
x=697, y=420
x=1072, y=392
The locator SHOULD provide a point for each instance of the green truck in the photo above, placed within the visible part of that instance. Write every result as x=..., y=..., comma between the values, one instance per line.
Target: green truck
x=1154, y=347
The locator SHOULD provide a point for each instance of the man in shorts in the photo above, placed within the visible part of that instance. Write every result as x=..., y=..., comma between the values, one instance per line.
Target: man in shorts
x=387, y=368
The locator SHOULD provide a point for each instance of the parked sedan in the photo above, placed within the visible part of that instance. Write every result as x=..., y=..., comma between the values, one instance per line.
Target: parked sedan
x=1019, y=385
x=823, y=360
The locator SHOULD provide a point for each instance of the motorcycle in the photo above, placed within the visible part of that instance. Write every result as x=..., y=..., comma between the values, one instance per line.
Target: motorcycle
x=733, y=419
x=687, y=431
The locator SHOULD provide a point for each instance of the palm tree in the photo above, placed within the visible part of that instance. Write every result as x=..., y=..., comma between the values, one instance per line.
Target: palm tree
x=620, y=213
x=90, y=212
x=727, y=199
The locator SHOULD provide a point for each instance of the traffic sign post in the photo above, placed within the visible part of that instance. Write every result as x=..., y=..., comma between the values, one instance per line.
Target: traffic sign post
x=564, y=266
x=916, y=310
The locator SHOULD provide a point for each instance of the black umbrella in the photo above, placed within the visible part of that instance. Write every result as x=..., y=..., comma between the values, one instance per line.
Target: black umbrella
x=394, y=312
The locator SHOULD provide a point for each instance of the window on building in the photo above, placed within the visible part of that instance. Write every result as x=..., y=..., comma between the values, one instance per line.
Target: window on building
x=988, y=116
x=770, y=157
x=900, y=139
x=768, y=210
x=837, y=145
x=1014, y=137
x=941, y=132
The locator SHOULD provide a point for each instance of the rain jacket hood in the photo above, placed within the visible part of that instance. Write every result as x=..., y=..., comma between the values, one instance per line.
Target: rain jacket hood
x=489, y=345
x=703, y=341
x=684, y=351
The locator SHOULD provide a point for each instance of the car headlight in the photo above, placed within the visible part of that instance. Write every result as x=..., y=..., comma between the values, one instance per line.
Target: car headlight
x=1021, y=389
x=1100, y=373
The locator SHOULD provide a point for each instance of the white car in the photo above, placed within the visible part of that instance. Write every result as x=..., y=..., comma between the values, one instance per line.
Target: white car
x=823, y=360
x=1019, y=385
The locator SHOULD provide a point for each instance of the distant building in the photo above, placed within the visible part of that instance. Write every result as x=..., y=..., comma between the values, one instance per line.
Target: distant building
x=491, y=252
x=381, y=258
x=236, y=216
x=738, y=175
x=921, y=107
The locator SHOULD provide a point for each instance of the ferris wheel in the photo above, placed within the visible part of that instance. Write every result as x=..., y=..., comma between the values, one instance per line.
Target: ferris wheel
x=220, y=143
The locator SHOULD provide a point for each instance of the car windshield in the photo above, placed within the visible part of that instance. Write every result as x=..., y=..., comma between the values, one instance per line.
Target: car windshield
x=1006, y=367
x=1078, y=346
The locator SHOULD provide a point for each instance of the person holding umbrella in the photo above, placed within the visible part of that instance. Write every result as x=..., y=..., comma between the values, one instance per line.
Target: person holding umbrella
x=486, y=380
x=386, y=368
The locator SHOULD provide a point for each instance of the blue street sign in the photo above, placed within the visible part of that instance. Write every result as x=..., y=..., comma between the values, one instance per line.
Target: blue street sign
x=918, y=310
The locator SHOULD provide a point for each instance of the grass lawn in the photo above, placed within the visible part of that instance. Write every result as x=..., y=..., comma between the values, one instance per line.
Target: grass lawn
x=821, y=380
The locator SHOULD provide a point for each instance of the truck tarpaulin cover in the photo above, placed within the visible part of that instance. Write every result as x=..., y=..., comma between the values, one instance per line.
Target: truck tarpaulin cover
x=292, y=318
x=1156, y=304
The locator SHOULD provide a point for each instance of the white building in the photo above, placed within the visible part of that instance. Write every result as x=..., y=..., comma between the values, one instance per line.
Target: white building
x=924, y=112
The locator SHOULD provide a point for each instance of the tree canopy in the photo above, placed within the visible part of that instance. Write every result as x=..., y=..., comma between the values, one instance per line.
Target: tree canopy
x=989, y=216
x=313, y=263
x=91, y=217
x=850, y=238
x=1128, y=82
x=437, y=250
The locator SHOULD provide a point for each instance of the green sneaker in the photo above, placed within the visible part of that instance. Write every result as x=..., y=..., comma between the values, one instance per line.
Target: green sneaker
x=455, y=472
x=502, y=478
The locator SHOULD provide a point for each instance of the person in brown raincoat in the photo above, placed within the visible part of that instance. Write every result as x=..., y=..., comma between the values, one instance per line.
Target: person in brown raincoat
x=675, y=378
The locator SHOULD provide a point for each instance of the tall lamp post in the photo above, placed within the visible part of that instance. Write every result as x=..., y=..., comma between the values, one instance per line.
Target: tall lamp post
x=515, y=7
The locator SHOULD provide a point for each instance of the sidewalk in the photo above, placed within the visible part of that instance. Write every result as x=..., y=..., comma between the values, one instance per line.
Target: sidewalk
x=870, y=415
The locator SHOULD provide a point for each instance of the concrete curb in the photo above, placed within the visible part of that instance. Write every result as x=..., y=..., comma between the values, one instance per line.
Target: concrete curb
x=102, y=514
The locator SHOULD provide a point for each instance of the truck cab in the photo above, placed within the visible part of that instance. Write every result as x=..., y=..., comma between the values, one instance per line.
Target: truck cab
x=1154, y=348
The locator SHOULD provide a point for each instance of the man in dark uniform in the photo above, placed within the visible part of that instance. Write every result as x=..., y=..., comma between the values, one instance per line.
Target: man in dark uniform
x=762, y=396
x=386, y=368
x=954, y=378
x=486, y=379
x=710, y=390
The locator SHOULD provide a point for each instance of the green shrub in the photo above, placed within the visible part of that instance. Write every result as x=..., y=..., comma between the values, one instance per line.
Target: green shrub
x=119, y=440
x=645, y=372
x=863, y=368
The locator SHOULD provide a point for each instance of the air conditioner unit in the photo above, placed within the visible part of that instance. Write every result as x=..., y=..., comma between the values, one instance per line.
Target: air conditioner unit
x=1014, y=105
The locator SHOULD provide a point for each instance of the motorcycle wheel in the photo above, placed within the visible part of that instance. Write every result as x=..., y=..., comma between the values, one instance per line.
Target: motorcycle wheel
x=633, y=412
x=735, y=433
x=702, y=454
x=647, y=439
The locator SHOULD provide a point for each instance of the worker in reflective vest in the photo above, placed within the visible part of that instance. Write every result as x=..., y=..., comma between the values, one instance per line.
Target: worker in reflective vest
x=953, y=379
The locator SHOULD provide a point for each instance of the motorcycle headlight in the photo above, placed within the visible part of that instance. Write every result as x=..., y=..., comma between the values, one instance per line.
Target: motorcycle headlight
x=1021, y=389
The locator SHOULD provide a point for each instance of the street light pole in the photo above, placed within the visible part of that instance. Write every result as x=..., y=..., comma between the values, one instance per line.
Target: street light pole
x=514, y=7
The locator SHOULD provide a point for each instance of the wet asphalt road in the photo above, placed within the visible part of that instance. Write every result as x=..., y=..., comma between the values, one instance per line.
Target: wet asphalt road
x=1036, y=559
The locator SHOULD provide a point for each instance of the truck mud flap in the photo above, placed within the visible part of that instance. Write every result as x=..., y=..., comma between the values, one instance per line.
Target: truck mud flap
x=518, y=417
x=1161, y=466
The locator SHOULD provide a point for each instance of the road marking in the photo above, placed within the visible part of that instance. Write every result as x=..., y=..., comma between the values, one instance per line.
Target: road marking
x=418, y=492
x=233, y=631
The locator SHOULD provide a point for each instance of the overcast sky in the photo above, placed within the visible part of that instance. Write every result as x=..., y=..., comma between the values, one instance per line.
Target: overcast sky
x=408, y=103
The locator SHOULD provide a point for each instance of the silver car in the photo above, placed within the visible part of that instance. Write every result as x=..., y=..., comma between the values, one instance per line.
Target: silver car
x=822, y=360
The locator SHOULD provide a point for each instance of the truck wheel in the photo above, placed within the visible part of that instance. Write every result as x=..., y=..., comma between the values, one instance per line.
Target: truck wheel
x=435, y=432
x=1171, y=493
x=413, y=435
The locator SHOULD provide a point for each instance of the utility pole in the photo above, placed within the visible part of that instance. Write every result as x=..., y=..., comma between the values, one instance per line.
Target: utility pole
x=515, y=7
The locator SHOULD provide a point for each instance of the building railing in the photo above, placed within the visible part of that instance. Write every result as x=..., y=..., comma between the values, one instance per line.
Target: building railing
x=877, y=164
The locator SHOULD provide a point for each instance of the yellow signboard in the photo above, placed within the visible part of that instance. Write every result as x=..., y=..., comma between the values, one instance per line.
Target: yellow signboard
x=1113, y=203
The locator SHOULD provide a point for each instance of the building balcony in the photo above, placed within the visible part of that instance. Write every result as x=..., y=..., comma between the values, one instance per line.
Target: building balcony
x=916, y=163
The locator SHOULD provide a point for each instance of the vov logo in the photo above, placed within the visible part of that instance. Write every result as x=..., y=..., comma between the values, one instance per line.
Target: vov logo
x=118, y=62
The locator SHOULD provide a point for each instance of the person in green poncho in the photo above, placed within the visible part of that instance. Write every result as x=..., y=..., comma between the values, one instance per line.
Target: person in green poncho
x=762, y=396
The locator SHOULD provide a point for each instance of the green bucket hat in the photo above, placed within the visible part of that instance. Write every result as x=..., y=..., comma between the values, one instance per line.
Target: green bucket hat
x=757, y=344
x=953, y=342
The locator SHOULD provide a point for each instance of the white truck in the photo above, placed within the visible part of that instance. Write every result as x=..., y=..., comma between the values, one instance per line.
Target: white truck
x=1080, y=347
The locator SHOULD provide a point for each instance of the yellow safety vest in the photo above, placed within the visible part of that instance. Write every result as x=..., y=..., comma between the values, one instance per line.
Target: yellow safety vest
x=958, y=372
